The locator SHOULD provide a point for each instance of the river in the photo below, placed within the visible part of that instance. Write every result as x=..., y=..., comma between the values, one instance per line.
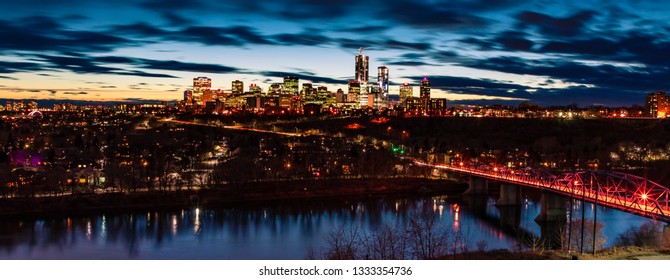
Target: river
x=272, y=231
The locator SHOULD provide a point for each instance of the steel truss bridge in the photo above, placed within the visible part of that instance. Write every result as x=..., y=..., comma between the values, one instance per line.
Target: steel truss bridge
x=617, y=190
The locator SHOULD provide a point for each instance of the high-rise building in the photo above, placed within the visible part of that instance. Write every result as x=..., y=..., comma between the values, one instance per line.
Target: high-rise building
x=200, y=84
x=383, y=81
x=354, y=91
x=253, y=88
x=207, y=96
x=291, y=85
x=307, y=89
x=362, y=67
x=322, y=93
x=425, y=88
x=657, y=104
x=375, y=96
x=406, y=91
x=339, y=96
x=237, y=87
x=276, y=89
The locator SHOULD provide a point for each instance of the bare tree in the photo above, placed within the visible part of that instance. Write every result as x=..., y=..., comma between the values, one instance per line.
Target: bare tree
x=388, y=243
x=343, y=244
x=428, y=239
x=576, y=240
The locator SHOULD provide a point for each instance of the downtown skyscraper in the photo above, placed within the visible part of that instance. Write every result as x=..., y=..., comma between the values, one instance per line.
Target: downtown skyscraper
x=424, y=88
x=362, y=67
x=383, y=81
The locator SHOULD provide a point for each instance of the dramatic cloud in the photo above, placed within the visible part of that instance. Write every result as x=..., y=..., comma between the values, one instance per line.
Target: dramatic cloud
x=603, y=76
x=423, y=15
x=573, y=25
x=588, y=50
x=315, y=79
x=75, y=93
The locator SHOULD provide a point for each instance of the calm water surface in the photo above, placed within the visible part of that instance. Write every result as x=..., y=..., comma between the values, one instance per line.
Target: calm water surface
x=273, y=231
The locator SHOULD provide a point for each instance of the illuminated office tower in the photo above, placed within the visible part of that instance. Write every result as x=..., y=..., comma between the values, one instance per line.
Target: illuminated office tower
x=188, y=95
x=406, y=91
x=291, y=85
x=657, y=104
x=339, y=96
x=424, y=88
x=276, y=89
x=362, y=67
x=354, y=91
x=383, y=81
x=322, y=93
x=200, y=85
x=237, y=88
x=307, y=89
x=253, y=88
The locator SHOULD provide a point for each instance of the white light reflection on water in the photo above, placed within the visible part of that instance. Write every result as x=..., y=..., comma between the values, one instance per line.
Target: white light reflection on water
x=456, y=209
x=103, y=227
x=89, y=230
x=240, y=233
x=174, y=224
x=196, y=223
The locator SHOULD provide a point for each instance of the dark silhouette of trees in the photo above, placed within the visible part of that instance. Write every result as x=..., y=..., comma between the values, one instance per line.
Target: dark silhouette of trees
x=647, y=235
x=422, y=237
x=576, y=238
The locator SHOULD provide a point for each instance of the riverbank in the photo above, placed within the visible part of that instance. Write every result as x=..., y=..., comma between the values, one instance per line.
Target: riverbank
x=223, y=195
x=614, y=253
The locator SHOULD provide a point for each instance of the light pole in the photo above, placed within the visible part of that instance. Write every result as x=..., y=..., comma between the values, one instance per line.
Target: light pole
x=595, y=216
x=581, y=247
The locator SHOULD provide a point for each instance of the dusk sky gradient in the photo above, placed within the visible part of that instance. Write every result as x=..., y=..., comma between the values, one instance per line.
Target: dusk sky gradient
x=587, y=52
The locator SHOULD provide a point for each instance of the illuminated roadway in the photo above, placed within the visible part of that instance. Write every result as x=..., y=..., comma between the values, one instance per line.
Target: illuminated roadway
x=617, y=190
x=237, y=127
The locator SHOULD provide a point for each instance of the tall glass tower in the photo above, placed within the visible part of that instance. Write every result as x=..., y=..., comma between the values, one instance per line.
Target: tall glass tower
x=383, y=80
x=362, y=67
x=238, y=87
x=406, y=91
x=291, y=85
x=424, y=88
x=200, y=85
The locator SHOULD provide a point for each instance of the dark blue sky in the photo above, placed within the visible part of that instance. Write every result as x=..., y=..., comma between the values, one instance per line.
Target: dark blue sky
x=553, y=53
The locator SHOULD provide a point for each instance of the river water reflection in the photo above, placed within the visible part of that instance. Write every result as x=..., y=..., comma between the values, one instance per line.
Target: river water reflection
x=271, y=231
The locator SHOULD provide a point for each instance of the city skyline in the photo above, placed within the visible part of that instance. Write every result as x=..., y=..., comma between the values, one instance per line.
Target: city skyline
x=475, y=52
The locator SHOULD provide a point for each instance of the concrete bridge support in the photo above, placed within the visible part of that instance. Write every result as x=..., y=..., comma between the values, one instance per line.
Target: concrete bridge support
x=552, y=220
x=553, y=208
x=477, y=186
x=510, y=216
x=510, y=195
x=476, y=204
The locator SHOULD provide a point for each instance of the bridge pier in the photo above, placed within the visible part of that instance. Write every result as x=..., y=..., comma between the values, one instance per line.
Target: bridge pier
x=510, y=216
x=553, y=208
x=477, y=186
x=476, y=204
x=552, y=220
x=510, y=195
